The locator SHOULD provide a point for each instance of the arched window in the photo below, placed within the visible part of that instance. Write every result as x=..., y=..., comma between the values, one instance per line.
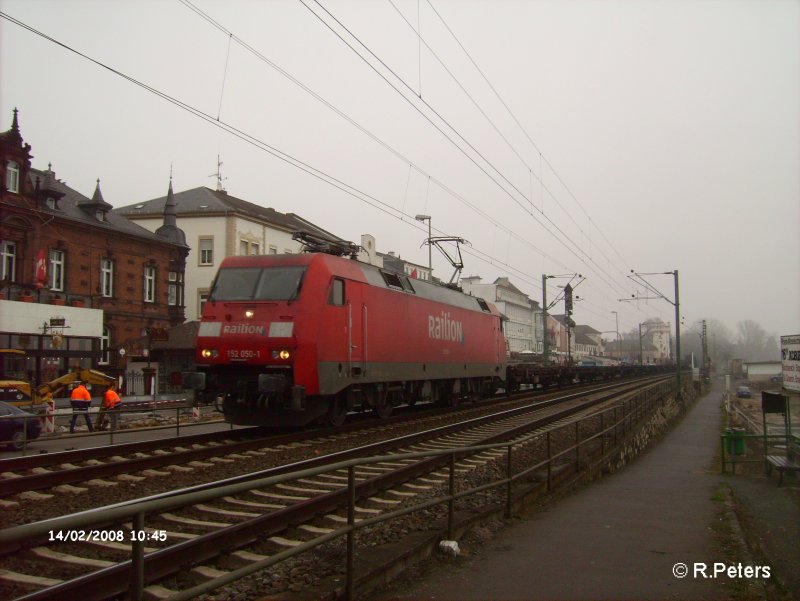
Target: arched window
x=12, y=177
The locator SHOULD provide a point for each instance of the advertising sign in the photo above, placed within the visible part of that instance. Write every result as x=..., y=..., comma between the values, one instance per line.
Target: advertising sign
x=790, y=357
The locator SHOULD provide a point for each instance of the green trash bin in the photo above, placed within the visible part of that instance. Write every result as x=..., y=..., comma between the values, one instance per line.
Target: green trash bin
x=734, y=441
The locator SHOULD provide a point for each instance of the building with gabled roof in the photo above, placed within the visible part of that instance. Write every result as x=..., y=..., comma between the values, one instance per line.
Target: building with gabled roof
x=218, y=225
x=519, y=312
x=77, y=280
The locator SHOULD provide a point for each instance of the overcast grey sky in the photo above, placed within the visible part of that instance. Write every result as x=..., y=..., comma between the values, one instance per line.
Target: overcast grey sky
x=646, y=135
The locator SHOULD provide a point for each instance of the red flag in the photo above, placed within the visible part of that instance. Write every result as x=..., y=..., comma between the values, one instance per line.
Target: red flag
x=41, y=269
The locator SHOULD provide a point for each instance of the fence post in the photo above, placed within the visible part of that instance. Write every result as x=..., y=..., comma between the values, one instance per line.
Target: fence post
x=451, y=503
x=510, y=484
x=25, y=435
x=351, y=520
x=602, y=435
x=577, y=447
x=549, y=465
x=616, y=425
x=137, y=558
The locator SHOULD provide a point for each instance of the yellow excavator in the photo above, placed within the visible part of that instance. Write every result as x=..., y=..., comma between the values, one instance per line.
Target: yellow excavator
x=44, y=392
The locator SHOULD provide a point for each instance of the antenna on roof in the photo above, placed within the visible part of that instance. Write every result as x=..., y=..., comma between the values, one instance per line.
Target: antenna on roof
x=218, y=175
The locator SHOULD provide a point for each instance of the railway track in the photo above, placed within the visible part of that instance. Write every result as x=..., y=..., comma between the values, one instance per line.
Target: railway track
x=94, y=467
x=250, y=519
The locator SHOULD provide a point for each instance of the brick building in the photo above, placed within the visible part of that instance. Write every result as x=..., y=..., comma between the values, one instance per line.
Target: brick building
x=79, y=282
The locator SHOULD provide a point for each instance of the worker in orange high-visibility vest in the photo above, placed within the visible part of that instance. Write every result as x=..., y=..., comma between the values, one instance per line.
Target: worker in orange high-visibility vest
x=80, y=399
x=110, y=406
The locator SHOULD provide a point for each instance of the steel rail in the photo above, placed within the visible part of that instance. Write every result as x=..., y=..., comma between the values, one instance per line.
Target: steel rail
x=76, y=475
x=159, y=564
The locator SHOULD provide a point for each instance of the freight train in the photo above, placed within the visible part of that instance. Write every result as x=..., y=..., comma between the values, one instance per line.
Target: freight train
x=291, y=339
x=287, y=340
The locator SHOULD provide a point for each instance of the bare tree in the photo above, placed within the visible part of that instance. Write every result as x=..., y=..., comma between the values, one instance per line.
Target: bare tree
x=754, y=344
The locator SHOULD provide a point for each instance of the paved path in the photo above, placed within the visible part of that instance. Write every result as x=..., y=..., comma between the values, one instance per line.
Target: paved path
x=616, y=539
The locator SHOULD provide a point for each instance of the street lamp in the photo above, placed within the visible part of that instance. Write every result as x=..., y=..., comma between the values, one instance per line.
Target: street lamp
x=423, y=218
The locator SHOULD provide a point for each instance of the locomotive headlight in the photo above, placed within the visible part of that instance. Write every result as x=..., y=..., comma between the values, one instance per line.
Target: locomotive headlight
x=208, y=353
x=281, y=354
x=249, y=313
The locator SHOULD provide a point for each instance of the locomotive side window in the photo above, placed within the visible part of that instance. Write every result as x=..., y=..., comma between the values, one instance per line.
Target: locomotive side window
x=337, y=293
x=392, y=279
x=397, y=281
x=483, y=305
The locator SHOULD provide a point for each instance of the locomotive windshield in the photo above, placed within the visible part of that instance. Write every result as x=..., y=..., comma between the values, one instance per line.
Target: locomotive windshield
x=258, y=284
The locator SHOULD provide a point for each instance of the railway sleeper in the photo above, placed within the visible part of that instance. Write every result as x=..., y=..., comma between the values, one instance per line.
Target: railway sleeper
x=67, y=558
x=206, y=573
x=157, y=593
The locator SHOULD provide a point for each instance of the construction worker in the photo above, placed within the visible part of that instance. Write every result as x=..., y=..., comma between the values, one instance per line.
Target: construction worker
x=80, y=399
x=110, y=404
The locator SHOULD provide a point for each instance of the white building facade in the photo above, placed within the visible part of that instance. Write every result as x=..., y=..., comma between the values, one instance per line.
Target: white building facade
x=218, y=225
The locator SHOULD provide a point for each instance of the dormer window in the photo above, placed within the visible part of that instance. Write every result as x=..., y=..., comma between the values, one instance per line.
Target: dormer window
x=100, y=215
x=12, y=177
x=51, y=203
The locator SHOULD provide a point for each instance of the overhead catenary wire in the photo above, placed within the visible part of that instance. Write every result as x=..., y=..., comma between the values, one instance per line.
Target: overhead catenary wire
x=570, y=249
x=361, y=128
x=253, y=141
x=267, y=61
x=525, y=132
x=351, y=190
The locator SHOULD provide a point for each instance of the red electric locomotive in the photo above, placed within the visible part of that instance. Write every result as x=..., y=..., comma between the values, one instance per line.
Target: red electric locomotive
x=288, y=339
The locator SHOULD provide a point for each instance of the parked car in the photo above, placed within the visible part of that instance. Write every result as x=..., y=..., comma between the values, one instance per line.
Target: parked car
x=743, y=392
x=13, y=425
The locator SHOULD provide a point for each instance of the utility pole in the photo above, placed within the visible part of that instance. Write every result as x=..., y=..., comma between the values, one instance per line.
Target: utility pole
x=641, y=360
x=678, y=333
x=545, y=345
x=677, y=304
x=568, y=308
x=423, y=218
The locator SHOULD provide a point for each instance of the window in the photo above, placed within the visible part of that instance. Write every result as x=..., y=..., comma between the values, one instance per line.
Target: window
x=57, y=270
x=254, y=283
x=12, y=177
x=202, y=299
x=206, y=246
x=100, y=215
x=273, y=250
x=51, y=203
x=107, y=277
x=248, y=248
x=337, y=293
x=395, y=280
x=105, y=346
x=175, y=289
x=9, y=267
x=149, y=284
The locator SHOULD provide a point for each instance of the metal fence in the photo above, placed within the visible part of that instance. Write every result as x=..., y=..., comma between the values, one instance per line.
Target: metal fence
x=186, y=416
x=616, y=425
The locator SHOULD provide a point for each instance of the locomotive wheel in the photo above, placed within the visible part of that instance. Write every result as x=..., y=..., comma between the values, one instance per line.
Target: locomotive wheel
x=383, y=408
x=337, y=411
